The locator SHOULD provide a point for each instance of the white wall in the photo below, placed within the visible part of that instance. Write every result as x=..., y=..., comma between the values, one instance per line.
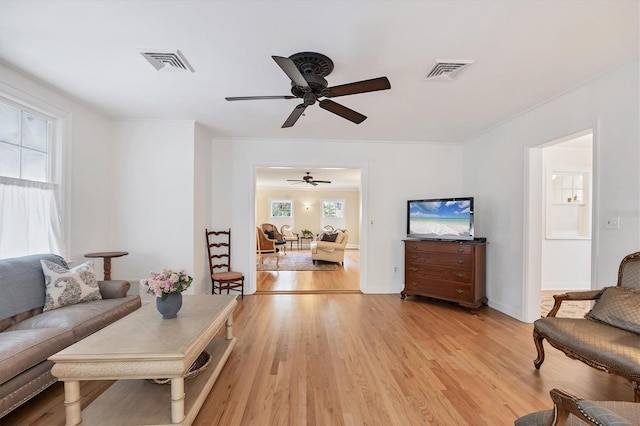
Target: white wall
x=391, y=173
x=202, y=204
x=88, y=154
x=495, y=170
x=153, y=197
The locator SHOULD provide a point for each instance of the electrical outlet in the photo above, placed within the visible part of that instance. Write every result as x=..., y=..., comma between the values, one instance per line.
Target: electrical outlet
x=612, y=222
x=395, y=269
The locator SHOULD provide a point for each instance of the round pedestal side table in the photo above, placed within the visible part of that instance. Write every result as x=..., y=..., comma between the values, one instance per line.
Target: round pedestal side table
x=107, y=255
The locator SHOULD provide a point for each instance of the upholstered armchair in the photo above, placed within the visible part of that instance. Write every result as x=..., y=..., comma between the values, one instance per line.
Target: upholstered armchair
x=289, y=235
x=273, y=233
x=608, y=337
x=266, y=247
x=330, y=251
x=570, y=410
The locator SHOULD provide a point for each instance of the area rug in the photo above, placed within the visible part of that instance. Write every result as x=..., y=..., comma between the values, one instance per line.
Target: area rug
x=297, y=261
x=568, y=309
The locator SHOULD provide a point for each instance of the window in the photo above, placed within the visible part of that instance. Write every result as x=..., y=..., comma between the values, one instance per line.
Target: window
x=29, y=189
x=333, y=209
x=281, y=208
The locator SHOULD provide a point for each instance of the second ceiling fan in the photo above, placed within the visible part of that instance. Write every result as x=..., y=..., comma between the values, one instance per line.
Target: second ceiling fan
x=307, y=70
x=308, y=179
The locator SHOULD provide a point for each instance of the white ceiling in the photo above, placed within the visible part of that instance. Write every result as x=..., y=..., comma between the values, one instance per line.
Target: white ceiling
x=525, y=52
x=277, y=178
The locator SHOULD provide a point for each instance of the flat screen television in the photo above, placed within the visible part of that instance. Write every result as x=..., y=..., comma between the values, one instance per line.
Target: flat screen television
x=440, y=218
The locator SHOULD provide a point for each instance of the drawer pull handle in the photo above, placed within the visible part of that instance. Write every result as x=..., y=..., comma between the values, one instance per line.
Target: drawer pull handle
x=413, y=256
x=459, y=275
x=414, y=269
x=459, y=291
x=460, y=261
x=413, y=283
x=460, y=249
x=414, y=247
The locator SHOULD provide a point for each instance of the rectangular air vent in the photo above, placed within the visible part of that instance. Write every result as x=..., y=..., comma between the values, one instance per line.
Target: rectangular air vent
x=167, y=61
x=447, y=69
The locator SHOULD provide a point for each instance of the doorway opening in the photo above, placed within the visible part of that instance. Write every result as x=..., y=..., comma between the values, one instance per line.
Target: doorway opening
x=286, y=201
x=559, y=222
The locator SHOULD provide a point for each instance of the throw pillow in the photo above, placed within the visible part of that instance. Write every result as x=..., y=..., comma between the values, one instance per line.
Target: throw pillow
x=271, y=235
x=69, y=286
x=618, y=306
x=330, y=237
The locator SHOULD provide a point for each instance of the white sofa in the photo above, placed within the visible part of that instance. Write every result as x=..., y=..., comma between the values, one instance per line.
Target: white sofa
x=330, y=251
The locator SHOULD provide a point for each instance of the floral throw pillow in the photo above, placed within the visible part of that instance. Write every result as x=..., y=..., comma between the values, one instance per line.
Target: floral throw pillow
x=69, y=286
x=618, y=306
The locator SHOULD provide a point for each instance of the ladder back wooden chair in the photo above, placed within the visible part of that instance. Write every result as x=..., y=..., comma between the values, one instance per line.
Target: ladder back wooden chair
x=222, y=277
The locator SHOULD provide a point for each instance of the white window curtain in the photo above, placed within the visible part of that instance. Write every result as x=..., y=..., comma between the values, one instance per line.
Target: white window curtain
x=29, y=218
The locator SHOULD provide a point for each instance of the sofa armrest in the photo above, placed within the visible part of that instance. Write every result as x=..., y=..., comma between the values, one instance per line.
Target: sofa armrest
x=573, y=295
x=114, y=289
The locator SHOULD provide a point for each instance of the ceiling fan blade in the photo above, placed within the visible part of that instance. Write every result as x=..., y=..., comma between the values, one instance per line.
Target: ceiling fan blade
x=342, y=111
x=322, y=181
x=294, y=180
x=381, y=83
x=313, y=182
x=252, y=98
x=295, y=114
x=291, y=71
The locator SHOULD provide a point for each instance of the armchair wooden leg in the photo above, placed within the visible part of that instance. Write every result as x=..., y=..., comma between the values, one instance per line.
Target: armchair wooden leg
x=537, y=339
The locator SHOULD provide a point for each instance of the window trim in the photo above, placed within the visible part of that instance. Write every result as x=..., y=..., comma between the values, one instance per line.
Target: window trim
x=60, y=152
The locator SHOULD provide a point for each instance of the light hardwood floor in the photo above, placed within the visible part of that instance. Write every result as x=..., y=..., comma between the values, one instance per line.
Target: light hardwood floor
x=354, y=359
x=345, y=280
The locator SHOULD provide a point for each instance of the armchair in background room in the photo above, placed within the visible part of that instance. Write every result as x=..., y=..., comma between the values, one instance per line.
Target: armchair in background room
x=327, y=229
x=330, y=247
x=289, y=235
x=266, y=247
x=273, y=234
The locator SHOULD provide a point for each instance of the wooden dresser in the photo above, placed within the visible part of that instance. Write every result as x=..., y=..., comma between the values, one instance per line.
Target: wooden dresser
x=448, y=270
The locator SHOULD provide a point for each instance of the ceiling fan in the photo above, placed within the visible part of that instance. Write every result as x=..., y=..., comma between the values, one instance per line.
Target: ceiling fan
x=307, y=71
x=308, y=179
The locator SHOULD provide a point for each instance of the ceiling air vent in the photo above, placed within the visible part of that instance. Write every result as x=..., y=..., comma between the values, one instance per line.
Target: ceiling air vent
x=167, y=61
x=447, y=69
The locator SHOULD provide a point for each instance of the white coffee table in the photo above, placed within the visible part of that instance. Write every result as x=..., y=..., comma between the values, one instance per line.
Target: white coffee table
x=144, y=346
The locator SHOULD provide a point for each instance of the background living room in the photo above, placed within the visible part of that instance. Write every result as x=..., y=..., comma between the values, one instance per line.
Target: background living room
x=309, y=206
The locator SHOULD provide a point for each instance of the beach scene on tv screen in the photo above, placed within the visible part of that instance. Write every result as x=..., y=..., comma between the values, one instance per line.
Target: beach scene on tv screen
x=450, y=218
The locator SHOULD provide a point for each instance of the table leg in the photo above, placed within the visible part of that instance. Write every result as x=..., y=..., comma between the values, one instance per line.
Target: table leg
x=177, y=400
x=72, y=406
x=229, y=325
x=107, y=268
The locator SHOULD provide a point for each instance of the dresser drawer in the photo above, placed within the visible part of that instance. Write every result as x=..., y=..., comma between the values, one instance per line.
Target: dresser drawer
x=438, y=247
x=444, y=289
x=421, y=273
x=448, y=270
x=442, y=259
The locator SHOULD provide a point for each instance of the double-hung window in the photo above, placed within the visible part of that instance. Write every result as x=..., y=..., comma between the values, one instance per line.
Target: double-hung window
x=30, y=193
x=334, y=213
x=281, y=208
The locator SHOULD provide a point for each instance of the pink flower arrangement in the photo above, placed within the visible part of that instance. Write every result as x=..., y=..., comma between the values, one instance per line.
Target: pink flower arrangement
x=161, y=284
